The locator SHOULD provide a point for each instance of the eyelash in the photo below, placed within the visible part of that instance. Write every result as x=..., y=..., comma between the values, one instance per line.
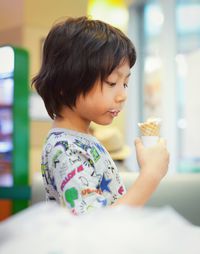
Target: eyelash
x=113, y=84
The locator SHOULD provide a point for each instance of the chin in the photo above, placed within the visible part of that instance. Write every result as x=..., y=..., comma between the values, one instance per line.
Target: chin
x=107, y=122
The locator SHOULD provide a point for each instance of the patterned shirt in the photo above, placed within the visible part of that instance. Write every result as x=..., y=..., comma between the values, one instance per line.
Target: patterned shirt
x=78, y=172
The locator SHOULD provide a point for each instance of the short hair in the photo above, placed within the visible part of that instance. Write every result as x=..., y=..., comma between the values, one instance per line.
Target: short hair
x=76, y=53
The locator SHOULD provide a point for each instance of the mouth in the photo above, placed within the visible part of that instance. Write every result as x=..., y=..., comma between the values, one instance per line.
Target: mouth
x=114, y=112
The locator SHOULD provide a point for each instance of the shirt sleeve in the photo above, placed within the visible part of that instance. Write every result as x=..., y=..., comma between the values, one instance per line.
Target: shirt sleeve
x=78, y=179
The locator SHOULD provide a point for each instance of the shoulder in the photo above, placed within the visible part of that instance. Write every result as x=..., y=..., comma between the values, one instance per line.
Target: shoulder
x=74, y=145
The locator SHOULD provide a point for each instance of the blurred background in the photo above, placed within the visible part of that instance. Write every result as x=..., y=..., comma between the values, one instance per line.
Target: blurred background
x=164, y=82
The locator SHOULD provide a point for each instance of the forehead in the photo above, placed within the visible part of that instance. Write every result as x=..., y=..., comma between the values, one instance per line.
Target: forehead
x=122, y=70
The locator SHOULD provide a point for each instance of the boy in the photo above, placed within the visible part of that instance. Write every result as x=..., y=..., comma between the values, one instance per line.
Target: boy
x=84, y=78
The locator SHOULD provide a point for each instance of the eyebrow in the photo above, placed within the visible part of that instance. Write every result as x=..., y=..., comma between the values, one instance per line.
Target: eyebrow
x=128, y=75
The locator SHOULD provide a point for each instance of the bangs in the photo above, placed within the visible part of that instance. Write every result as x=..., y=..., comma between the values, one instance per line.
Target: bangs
x=116, y=51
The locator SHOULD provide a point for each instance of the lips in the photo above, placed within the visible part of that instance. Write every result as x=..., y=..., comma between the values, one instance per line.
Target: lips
x=114, y=112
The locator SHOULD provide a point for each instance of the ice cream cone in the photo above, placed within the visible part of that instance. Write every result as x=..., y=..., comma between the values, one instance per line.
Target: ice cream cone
x=150, y=131
x=150, y=128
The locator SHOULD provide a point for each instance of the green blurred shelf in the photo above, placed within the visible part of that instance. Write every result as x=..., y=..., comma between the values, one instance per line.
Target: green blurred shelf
x=15, y=193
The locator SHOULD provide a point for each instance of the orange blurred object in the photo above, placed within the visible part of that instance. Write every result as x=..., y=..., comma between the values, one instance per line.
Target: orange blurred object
x=5, y=209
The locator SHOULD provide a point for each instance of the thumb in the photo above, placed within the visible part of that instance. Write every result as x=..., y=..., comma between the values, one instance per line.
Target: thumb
x=138, y=143
x=163, y=141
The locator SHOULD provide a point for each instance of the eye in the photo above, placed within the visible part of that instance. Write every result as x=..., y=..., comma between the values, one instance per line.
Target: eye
x=110, y=83
x=125, y=85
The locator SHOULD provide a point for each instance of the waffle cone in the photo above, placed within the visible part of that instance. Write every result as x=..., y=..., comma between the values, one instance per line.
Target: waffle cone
x=150, y=128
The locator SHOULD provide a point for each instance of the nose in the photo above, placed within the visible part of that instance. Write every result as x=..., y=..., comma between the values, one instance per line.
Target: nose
x=121, y=96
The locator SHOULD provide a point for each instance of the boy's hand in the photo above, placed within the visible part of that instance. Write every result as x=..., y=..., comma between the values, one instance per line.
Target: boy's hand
x=154, y=160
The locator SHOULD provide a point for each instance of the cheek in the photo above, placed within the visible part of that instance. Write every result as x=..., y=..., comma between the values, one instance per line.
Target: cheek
x=99, y=99
x=92, y=105
x=108, y=93
x=96, y=102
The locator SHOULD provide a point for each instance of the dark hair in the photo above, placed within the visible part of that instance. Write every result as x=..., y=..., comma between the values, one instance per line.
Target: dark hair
x=76, y=53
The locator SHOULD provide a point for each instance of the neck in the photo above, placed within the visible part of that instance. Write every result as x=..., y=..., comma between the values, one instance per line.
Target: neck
x=71, y=120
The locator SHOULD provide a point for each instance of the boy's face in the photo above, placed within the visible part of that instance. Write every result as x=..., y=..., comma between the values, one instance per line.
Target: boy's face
x=103, y=103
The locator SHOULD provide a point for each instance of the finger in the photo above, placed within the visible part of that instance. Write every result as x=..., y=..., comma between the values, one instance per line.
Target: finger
x=138, y=143
x=163, y=141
